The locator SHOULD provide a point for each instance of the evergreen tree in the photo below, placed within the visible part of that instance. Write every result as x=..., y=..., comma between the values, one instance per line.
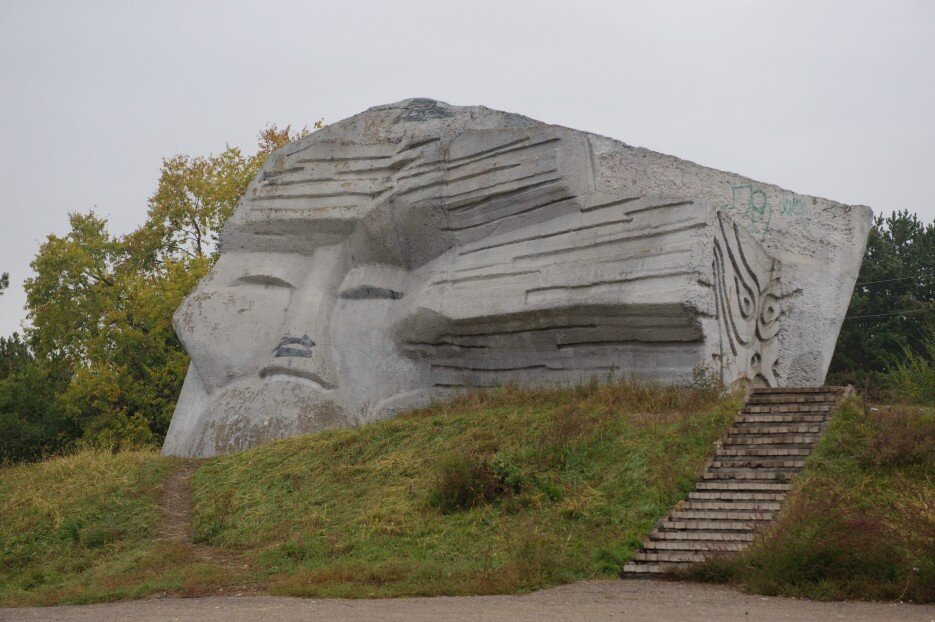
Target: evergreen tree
x=892, y=309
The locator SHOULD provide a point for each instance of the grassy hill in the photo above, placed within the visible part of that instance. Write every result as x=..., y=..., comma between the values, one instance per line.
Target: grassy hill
x=495, y=492
x=72, y=527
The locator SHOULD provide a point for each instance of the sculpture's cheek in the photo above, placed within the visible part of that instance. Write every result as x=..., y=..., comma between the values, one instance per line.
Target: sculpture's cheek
x=230, y=332
x=370, y=362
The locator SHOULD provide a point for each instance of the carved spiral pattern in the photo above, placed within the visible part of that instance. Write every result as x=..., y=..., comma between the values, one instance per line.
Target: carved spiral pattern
x=748, y=305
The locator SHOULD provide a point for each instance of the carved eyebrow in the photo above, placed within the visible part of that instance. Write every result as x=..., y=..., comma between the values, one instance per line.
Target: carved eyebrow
x=264, y=279
x=367, y=292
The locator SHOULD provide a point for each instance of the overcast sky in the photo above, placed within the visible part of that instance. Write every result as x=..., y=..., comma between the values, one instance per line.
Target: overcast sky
x=830, y=98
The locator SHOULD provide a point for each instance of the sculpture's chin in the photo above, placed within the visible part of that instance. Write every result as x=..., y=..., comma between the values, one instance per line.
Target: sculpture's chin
x=252, y=412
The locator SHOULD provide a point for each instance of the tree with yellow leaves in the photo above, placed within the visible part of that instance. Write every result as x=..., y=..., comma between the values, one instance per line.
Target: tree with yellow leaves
x=100, y=306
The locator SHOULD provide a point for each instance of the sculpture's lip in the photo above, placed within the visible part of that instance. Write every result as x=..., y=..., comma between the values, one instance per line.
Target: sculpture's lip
x=280, y=373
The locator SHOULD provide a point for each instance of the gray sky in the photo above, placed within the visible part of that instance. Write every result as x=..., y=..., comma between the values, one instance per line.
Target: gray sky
x=830, y=98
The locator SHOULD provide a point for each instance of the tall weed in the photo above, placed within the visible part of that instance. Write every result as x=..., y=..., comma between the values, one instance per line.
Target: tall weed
x=913, y=378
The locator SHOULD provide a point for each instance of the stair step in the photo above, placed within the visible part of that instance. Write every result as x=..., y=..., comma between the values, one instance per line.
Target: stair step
x=805, y=409
x=771, y=439
x=648, y=568
x=709, y=515
x=758, y=462
x=726, y=451
x=751, y=474
x=745, y=485
x=669, y=556
x=703, y=525
x=750, y=465
x=784, y=418
x=707, y=535
x=732, y=505
x=815, y=398
x=806, y=449
x=733, y=495
x=797, y=390
x=758, y=428
x=693, y=545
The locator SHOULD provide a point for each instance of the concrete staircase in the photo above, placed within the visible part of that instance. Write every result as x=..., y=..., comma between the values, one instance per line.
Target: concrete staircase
x=742, y=488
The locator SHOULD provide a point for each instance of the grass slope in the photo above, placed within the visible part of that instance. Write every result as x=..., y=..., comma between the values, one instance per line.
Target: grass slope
x=72, y=527
x=495, y=492
x=860, y=523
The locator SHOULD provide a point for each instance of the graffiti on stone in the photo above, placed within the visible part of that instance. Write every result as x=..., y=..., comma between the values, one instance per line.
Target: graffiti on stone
x=755, y=203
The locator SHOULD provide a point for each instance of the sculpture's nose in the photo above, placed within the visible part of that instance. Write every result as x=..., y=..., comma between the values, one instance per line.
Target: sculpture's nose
x=305, y=346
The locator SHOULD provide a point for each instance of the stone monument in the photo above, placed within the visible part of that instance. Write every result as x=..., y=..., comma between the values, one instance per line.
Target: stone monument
x=419, y=248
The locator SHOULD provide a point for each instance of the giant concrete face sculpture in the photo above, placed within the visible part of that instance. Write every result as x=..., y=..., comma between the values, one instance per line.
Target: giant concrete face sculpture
x=420, y=248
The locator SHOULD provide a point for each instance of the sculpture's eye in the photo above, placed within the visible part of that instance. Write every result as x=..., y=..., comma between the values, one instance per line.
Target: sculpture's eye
x=370, y=292
x=263, y=279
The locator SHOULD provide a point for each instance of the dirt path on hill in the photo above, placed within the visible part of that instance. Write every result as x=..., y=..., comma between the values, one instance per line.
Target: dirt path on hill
x=176, y=505
x=634, y=599
x=177, y=526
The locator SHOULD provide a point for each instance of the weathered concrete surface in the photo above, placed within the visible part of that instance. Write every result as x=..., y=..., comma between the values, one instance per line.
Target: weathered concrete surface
x=636, y=600
x=419, y=248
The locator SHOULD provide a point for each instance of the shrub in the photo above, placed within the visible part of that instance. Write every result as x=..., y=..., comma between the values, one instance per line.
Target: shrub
x=913, y=378
x=829, y=548
x=893, y=436
x=467, y=481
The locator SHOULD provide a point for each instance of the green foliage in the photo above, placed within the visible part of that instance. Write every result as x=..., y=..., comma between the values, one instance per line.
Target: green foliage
x=14, y=353
x=126, y=390
x=72, y=289
x=194, y=198
x=893, y=305
x=101, y=363
x=860, y=523
x=32, y=421
x=111, y=328
x=466, y=481
x=913, y=378
x=4, y=282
